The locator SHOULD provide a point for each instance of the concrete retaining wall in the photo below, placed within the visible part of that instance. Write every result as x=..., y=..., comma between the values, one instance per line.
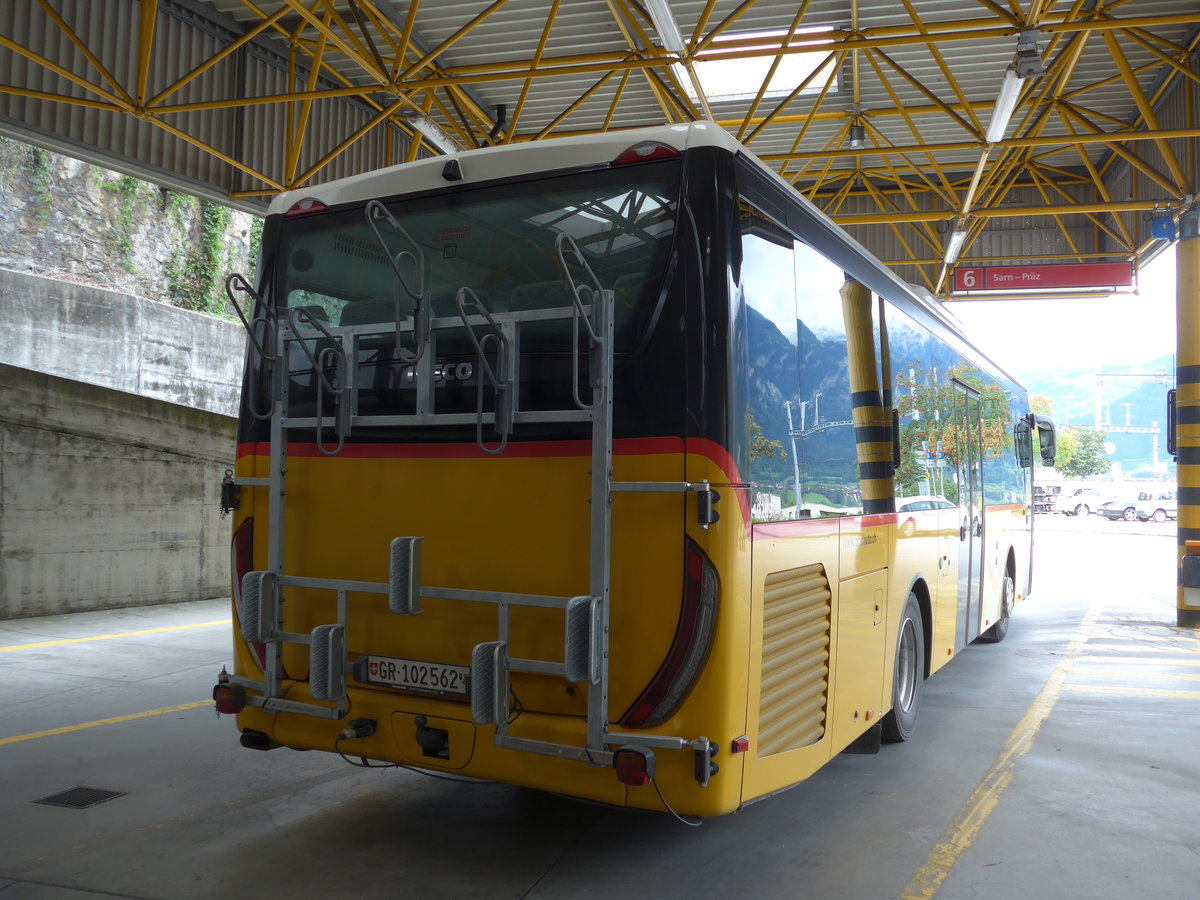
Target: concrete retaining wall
x=119, y=341
x=107, y=499
x=109, y=490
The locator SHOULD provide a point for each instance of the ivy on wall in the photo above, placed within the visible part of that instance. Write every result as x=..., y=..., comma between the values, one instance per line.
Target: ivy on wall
x=195, y=274
x=126, y=189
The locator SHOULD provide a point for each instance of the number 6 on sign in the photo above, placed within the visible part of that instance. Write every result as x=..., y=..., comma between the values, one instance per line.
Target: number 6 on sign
x=970, y=279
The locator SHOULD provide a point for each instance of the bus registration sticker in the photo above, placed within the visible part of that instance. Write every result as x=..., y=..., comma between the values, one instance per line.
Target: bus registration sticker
x=414, y=675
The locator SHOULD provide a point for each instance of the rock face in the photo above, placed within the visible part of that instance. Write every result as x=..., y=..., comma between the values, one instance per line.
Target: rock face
x=67, y=219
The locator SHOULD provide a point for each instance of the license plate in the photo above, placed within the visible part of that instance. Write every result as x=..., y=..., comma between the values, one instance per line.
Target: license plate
x=414, y=675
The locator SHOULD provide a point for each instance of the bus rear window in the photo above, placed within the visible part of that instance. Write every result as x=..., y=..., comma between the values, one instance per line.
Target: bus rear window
x=498, y=241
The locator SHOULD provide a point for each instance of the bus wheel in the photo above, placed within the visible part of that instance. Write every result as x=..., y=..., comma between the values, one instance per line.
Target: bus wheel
x=901, y=722
x=996, y=633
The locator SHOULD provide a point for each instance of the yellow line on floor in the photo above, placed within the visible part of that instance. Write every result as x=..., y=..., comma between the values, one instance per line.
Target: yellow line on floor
x=115, y=720
x=109, y=637
x=961, y=832
x=1142, y=675
x=1137, y=661
x=1131, y=692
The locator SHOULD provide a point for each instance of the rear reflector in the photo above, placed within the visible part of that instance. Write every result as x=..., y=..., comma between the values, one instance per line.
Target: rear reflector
x=634, y=765
x=305, y=207
x=645, y=152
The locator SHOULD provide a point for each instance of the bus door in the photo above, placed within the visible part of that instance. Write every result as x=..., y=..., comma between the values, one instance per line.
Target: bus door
x=968, y=426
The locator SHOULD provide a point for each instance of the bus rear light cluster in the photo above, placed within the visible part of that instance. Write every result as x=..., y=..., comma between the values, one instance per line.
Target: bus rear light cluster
x=689, y=648
x=230, y=699
x=646, y=152
x=242, y=564
x=305, y=207
x=634, y=765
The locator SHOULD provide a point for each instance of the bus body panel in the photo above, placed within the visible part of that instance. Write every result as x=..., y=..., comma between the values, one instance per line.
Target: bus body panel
x=803, y=648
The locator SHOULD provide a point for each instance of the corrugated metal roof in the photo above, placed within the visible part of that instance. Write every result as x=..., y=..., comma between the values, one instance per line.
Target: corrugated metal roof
x=921, y=76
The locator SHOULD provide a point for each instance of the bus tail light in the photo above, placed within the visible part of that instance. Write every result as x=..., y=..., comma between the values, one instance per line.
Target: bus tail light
x=689, y=649
x=230, y=699
x=645, y=152
x=634, y=765
x=305, y=207
x=243, y=563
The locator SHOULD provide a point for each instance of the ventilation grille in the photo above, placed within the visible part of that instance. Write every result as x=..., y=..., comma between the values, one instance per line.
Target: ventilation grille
x=795, y=665
x=80, y=797
x=344, y=243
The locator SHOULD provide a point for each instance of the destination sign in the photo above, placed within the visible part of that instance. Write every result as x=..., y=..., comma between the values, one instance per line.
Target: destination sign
x=1034, y=278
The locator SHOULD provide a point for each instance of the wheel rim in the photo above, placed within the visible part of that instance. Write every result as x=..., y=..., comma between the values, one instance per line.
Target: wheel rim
x=1130, y=514
x=906, y=666
x=1160, y=516
x=1006, y=597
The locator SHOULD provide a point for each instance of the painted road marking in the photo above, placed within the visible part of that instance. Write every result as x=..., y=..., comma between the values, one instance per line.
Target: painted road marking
x=115, y=720
x=961, y=832
x=109, y=637
x=1131, y=692
x=1076, y=660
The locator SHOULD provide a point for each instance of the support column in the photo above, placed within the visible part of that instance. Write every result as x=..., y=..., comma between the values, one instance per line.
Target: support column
x=1187, y=406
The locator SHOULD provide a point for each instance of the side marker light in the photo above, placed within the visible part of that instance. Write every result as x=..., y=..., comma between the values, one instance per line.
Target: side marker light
x=740, y=745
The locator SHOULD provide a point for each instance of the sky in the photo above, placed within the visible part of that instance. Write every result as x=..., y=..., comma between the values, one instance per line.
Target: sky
x=1024, y=336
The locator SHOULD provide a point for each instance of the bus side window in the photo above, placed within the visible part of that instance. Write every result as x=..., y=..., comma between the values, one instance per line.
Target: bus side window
x=803, y=459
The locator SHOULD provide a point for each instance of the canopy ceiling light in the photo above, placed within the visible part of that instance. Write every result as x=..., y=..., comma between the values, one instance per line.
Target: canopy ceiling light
x=954, y=247
x=665, y=25
x=433, y=134
x=1028, y=64
x=858, y=137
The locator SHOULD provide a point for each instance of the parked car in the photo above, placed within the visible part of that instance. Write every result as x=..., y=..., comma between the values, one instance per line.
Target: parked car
x=1161, y=506
x=1125, y=509
x=1081, y=501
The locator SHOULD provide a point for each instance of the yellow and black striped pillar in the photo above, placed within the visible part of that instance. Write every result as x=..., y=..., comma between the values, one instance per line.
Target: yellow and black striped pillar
x=872, y=424
x=1187, y=407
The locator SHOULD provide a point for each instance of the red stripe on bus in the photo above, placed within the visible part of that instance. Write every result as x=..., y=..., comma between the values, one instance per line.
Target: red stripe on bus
x=765, y=531
x=515, y=450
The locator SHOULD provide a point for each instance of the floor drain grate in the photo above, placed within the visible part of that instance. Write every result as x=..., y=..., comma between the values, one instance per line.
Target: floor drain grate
x=80, y=797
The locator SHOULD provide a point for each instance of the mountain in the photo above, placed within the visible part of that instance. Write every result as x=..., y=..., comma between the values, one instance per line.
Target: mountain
x=1131, y=395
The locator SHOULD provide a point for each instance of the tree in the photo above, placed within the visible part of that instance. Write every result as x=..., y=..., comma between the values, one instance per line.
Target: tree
x=1081, y=452
x=762, y=447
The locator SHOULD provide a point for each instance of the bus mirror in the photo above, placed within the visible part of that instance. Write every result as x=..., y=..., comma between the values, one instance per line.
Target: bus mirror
x=1046, y=438
x=1022, y=434
x=1171, y=420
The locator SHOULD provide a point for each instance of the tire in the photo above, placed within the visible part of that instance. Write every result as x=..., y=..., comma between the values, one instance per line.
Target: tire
x=1130, y=514
x=999, y=629
x=901, y=722
x=1159, y=516
x=1081, y=509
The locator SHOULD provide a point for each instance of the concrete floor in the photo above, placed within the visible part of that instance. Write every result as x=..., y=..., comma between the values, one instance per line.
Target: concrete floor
x=1061, y=763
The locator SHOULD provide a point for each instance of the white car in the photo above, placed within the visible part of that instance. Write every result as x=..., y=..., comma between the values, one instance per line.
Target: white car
x=1158, y=507
x=1081, y=502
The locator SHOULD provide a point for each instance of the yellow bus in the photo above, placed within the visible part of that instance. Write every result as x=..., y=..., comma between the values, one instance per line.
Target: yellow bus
x=607, y=466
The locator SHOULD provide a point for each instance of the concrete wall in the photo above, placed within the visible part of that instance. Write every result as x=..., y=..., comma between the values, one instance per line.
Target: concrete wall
x=107, y=499
x=109, y=491
x=119, y=341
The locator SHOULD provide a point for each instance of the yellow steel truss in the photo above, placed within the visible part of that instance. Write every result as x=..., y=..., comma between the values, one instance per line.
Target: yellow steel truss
x=370, y=52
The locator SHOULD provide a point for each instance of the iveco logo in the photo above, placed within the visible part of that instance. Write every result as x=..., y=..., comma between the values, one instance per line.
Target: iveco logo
x=443, y=372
